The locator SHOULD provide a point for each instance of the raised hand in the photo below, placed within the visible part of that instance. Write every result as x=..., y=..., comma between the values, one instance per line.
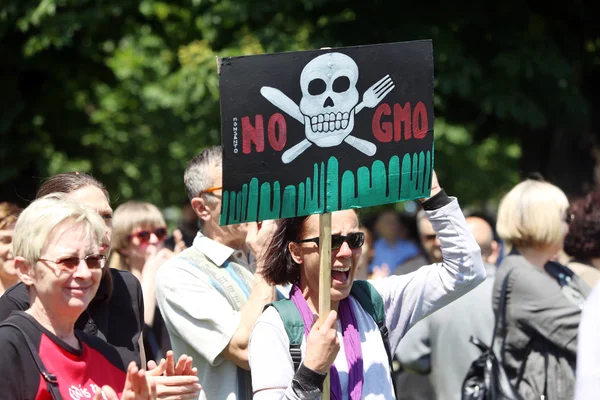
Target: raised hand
x=174, y=381
x=179, y=243
x=322, y=345
x=380, y=271
x=258, y=238
x=435, y=187
x=136, y=387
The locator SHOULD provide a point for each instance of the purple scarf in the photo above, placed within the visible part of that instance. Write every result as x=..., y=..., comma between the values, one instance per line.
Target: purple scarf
x=351, y=345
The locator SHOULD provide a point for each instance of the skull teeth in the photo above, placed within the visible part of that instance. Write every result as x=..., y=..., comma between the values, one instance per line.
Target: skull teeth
x=329, y=122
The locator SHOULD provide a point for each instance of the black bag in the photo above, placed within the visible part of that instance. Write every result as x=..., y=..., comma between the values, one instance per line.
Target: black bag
x=486, y=379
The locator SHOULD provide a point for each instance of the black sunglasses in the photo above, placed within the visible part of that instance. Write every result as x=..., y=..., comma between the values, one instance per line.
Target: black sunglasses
x=355, y=240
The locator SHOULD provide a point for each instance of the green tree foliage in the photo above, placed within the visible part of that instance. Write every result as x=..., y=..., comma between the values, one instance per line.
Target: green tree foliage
x=129, y=89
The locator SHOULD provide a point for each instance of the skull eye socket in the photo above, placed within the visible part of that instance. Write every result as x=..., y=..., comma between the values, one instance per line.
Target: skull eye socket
x=341, y=84
x=316, y=87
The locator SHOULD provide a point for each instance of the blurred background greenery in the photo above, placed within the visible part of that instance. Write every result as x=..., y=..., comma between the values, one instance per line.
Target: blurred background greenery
x=128, y=90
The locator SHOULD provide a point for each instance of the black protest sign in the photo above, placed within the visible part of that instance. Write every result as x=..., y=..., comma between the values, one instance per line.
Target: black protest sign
x=319, y=131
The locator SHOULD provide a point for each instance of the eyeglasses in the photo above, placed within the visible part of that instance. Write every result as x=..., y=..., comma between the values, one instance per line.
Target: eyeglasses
x=568, y=218
x=70, y=264
x=144, y=236
x=209, y=190
x=355, y=240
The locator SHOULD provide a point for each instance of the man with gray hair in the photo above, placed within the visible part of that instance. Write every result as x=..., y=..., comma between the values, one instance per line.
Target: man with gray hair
x=211, y=294
x=439, y=344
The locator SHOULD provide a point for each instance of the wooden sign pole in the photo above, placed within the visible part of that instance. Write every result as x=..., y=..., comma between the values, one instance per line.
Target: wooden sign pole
x=325, y=279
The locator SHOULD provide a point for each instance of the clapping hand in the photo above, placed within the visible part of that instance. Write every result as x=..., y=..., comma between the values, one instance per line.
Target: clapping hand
x=137, y=387
x=174, y=381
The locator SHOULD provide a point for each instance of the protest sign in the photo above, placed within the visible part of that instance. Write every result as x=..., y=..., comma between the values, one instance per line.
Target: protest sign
x=319, y=131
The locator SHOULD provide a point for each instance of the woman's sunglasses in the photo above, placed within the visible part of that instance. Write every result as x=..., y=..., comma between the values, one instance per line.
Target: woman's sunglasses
x=144, y=236
x=355, y=240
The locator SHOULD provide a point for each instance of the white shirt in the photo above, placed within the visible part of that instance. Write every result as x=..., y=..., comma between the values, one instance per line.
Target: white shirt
x=588, y=349
x=200, y=320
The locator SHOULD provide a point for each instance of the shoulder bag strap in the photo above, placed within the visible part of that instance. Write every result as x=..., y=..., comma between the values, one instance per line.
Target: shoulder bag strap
x=50, y=378
x=501, y=314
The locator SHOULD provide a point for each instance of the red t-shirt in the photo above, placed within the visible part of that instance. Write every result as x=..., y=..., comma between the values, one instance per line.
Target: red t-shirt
x=78, y=371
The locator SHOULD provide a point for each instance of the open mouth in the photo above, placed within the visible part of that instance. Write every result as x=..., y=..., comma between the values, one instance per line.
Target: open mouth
x=340, y=275
x=329, y=122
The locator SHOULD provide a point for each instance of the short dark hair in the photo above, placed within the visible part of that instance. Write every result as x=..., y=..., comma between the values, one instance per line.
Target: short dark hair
x=583, y=240
x=280, y=268
x=68, y=182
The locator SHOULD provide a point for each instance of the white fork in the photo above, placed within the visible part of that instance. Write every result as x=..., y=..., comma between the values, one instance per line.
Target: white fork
x=376, y=93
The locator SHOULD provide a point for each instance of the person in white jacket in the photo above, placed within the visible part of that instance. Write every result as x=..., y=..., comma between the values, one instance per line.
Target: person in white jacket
x=352, y=350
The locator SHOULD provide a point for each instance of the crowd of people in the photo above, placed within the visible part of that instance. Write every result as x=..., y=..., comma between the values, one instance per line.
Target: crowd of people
x=96, y=304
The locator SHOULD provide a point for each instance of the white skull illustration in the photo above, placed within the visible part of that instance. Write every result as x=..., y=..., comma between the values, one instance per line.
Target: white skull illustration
x=329, y=97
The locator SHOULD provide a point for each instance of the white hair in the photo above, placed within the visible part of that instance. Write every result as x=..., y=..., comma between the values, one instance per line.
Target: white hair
x=36, y=223
x=199, y=174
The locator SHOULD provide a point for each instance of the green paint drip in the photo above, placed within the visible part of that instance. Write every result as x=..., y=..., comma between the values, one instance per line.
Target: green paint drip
x=332, y=202
x=375, y=185
x=289, y=202
x=415, y=176
x=312, y=196
x=370, y=186
x=224, y=207
x=394, y=179
x=252, y=214
x=266, y=211
x=233, y=218
x=244, y=203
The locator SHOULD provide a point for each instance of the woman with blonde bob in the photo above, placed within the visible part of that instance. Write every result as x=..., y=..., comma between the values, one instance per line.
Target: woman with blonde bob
x=57, y=256
x=544, y=299
x=139, y=234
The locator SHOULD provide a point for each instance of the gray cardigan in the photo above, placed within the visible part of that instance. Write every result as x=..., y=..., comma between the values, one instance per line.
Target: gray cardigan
x=541, y=330
x=439, y=344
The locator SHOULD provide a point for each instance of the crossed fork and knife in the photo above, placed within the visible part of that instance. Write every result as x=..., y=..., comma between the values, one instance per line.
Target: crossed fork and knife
x=371, y=98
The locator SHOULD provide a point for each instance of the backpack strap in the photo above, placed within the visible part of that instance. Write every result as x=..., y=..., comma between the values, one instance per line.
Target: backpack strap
x=294, y=327
x=51, y=381
x=371, y=301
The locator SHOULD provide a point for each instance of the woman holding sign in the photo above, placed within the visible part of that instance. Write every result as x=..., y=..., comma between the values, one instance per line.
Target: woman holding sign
x=352, y=343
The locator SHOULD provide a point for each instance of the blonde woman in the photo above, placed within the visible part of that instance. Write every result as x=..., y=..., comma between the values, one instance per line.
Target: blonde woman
x=139, y=233
x=57, y=256
x=8, y=218
x=544, y=299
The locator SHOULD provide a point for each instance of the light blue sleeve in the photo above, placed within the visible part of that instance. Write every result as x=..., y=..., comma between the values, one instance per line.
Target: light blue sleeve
x=411, y=297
